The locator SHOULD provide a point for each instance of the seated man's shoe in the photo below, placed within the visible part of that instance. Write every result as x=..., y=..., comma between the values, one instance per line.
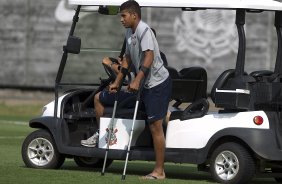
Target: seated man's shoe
x=91, y=141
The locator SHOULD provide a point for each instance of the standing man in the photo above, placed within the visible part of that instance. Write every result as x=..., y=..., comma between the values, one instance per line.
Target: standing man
x=142, y=51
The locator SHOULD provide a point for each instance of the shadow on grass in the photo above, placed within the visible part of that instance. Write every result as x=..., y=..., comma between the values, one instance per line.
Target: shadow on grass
x=173, y=171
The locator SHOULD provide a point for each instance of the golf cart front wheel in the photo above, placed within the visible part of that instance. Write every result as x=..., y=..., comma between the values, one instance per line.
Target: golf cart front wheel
x=91, y=162
x=232, y=163
x=40, y=151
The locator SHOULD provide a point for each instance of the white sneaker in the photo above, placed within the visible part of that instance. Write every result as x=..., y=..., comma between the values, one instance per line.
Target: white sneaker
x=91, y=141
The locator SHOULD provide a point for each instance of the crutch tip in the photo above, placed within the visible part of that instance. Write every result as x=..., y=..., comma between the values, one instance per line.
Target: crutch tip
x=102, y=174
x=123, y=177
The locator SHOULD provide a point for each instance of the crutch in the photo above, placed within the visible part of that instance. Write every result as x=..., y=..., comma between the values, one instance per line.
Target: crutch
x=114, y=112
x=131, y=132
x=111, y=127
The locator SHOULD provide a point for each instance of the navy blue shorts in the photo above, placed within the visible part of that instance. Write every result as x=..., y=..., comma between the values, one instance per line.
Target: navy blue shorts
x=108, y=99
x=156, y=100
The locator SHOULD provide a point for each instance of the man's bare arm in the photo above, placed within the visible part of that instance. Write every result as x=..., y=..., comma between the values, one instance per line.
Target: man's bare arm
x=125, y=65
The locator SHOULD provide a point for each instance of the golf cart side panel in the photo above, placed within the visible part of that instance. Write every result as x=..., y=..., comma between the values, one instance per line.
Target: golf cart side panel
x=195, y=133
x=224, y=4
x=262, y=142
x=254, y=139
x=46, y=122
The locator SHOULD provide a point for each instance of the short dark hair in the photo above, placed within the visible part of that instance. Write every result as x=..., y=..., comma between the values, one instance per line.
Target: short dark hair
x=132, y=6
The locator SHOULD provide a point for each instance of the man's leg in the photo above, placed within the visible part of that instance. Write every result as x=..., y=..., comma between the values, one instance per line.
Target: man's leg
x=156, y=102
x=101, y=98
x=99, y=111
x=159, y=147
x=99, y=108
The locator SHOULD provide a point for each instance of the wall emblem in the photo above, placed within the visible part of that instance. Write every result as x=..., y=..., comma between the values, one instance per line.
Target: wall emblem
x=207, y=34
x=113, y=136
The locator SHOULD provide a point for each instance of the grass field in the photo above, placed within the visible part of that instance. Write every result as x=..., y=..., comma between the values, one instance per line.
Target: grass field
x=14, y=128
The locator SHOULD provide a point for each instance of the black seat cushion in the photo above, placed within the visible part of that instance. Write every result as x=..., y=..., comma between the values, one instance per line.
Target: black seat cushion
x=195, y=110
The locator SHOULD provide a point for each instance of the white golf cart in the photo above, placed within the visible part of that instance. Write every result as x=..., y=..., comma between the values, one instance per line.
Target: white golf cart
x=242, y=139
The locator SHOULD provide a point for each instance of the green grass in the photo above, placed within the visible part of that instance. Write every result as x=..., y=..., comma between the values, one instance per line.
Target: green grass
x=23, y=112
x=13, y=170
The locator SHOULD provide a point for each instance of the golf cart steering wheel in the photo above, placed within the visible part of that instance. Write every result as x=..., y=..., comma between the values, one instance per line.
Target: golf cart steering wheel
x=112, y=75
x=110, y=72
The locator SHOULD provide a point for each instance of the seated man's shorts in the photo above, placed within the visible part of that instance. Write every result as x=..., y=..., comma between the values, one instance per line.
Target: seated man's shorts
x=108, y=99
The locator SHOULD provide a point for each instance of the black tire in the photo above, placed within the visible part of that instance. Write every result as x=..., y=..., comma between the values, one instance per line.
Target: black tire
x=231, y=163
x=278, y=180
x=39, y=151
x=277, y=170
x=91, y=162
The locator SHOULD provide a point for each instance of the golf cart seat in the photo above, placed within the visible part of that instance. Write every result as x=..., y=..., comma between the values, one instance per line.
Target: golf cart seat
x=221, y=81
x=232, y=92
x=196, y=109
x=173, y=73
x=189, y=85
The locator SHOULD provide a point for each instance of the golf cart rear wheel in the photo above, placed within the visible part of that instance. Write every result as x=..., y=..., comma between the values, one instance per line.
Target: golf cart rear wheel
x=40, y=151
x=232, y=163
x=277, y=170
x=278, y=180
x=91, y=162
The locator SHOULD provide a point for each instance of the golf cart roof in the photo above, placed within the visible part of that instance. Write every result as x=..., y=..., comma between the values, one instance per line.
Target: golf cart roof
x=213, y=4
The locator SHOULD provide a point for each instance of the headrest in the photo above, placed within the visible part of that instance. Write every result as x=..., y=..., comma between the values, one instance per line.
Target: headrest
x=173, y=72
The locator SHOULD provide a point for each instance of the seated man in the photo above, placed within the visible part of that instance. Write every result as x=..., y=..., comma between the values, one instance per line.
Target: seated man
x=105, y=99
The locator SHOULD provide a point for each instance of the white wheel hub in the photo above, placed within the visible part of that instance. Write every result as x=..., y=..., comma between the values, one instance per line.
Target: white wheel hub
x=40, y=151
x=226, y=165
